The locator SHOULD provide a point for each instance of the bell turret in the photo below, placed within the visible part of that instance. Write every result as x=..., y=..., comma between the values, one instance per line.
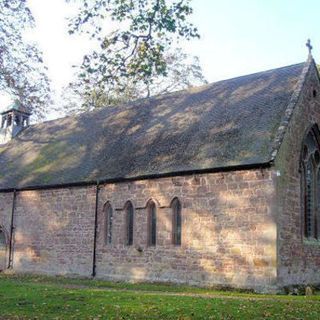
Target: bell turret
x=13, y=121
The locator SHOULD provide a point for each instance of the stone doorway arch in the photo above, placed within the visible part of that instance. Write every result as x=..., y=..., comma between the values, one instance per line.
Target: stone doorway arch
x=3, y=249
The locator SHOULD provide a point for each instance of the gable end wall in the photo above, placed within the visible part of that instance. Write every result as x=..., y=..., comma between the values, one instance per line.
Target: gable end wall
x=298, y=259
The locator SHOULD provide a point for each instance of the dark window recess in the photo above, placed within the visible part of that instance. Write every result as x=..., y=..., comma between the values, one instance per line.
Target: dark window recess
x=9, y=119
x=129, y=217
x=314, y=93
x=309, y=203
x=3, y=251
x=152, y=224
x=109, y=218
x=176, y=222
x=311, y=184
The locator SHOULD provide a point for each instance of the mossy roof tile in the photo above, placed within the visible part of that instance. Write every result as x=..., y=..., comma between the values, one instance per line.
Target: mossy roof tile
x=227, y=123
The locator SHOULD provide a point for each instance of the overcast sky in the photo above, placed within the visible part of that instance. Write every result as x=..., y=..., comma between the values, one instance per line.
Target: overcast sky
x=237, y=36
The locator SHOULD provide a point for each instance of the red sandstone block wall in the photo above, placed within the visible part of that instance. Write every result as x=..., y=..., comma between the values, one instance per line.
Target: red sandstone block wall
x=228, y=230
x=54, y=231
x=298, y=258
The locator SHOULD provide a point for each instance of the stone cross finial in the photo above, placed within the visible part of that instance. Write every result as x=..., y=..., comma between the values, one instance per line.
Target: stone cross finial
x=309, y=46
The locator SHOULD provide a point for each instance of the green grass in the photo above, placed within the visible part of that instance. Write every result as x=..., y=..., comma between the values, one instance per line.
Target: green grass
x=33, y=297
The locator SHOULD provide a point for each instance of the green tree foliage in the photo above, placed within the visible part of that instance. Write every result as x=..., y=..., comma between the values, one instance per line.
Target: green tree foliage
x=88, y=93
x=136, y=48
x=22, y=72
x=183, y=71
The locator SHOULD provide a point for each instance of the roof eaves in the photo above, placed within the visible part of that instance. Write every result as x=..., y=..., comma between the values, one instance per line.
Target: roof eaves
x=252, y=166
x=290, y=108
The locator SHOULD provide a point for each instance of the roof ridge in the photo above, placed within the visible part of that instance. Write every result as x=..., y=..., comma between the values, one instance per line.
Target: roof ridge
x=255, y=73
x=188, y=90
x=290, y=108
x=208, y=85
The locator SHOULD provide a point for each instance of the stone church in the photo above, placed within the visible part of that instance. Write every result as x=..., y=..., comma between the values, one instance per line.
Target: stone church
x=217, y=185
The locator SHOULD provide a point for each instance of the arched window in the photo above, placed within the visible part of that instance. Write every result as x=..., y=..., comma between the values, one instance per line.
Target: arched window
x=3, y=249
x=108, y=222
x=152, y=223
x=176, y=221
x=311, y=184
x=129, y=222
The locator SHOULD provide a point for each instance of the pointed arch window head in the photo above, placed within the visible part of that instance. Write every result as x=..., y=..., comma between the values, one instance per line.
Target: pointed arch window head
x=176, y=222
x=108, y=211
x=310, y=178
x=152, y=223
x=129, y=223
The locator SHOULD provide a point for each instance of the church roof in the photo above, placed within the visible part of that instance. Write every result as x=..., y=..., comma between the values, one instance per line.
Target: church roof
x=230, y=123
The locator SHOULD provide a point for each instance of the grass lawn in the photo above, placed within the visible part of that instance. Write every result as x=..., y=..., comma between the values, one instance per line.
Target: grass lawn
x=32, y=297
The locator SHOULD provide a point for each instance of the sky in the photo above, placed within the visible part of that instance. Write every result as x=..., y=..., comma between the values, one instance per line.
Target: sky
x=237, y=36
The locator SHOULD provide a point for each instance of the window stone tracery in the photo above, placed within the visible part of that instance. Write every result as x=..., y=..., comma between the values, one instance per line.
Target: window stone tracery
x=311, y=184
